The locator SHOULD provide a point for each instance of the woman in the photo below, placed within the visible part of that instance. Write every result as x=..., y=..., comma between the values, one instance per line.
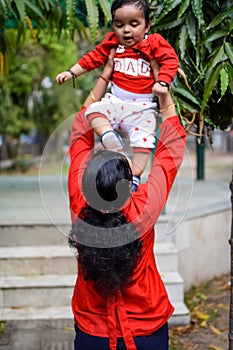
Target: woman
x=119, y=300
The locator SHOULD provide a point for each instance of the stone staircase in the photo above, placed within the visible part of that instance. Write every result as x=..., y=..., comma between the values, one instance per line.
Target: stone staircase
x=38, y=272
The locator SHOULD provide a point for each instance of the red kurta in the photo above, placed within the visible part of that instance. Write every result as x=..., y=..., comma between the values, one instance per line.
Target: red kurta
x=132, y=70
x=143, y=307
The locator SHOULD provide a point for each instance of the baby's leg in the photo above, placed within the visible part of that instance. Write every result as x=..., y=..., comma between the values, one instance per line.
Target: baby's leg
x=139, y=162
x=109, y=138
x=99, y=123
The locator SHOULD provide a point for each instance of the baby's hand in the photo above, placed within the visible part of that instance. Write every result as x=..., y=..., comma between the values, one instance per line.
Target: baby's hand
x=63, y=77
x=159, y=89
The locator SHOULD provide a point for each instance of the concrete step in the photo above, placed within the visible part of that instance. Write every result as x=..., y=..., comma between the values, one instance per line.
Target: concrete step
x=166, y=256
x=60, y=259
x=37, y=313
x=179, y=317
x=165, y=229
x=56, y=290
x=43, y=290
x=174, y=285
x=40, y=260
x=34, y=234
x=39, y=233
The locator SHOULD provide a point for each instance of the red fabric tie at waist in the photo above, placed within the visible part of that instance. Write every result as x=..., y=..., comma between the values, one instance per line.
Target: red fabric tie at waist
x=116, y=304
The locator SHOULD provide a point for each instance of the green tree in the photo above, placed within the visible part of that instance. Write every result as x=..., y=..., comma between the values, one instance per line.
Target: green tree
x=32, y=33
x=30, y=99
x=52, y=16
x=201, y=33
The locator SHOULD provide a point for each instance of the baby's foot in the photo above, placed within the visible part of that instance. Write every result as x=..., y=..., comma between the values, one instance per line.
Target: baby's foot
x=111, y=140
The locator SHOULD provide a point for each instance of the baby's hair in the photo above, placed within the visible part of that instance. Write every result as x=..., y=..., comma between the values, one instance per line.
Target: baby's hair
x=142, y=5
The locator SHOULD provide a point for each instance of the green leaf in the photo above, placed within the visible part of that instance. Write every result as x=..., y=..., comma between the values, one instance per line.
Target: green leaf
x=44, y=4
x=191, y=27
x=182, y=103
x=216, y=35
x=197, y=10
x=210, y=84
x=169, y=6
x=219, y=56
x=81, y=29
x=229, y=50
x=224, y=79
x=183, y=7
x=231, y=26
x=106, y=8
x=92, y=17
x=4, y=9
x=69, y=6
x=229, y=69
x=21, y=10
x=70, y=13
x=34, y=8
x=168, y=25
x=183, y=41
x=219, y=18
x=187, y=94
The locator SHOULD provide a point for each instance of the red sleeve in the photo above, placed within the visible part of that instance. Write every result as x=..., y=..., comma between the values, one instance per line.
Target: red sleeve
x=168, y=156
x=166, y=57
x=148, y=202
x=99, y=55
x=81, y=145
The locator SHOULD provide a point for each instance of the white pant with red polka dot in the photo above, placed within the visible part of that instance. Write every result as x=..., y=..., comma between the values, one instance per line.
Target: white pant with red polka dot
x=137, y=119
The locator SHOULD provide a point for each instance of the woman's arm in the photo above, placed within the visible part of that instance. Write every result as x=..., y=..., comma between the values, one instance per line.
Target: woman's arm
x=148, y=202
x=167, y=160
x=167, y=106
x=82, y=140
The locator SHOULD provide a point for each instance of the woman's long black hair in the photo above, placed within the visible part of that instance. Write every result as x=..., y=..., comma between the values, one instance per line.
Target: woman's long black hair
x=108, y=246
x=110, y=268
x=107, y=180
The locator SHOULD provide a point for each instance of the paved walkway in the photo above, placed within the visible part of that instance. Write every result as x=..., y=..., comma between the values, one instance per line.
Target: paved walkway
x=38, y=335
x=34, y=199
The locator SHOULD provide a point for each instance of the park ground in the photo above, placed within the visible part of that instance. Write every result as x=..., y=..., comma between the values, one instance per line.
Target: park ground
x=209, y=305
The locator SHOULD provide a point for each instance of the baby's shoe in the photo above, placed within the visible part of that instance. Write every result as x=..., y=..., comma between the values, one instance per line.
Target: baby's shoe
x=135, y=183
x=111, y=140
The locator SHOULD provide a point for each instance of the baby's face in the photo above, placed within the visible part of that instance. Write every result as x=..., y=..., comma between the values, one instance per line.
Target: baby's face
x=130, y=25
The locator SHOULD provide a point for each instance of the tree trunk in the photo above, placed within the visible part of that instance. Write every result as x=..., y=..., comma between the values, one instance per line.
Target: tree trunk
x=231, y=287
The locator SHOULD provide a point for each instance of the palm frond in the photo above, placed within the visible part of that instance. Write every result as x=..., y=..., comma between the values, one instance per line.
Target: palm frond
x=92, y=17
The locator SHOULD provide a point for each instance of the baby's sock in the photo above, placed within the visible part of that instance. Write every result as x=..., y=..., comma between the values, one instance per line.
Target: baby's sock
x=111, y=140
x=135, y=183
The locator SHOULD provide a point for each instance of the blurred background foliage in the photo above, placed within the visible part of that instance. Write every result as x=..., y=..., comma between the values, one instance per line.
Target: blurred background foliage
x=40, y=38
x=202, y=34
